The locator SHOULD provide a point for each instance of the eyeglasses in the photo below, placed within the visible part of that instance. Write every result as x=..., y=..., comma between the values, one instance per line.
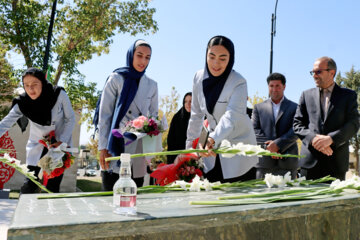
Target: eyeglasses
x=318, y=72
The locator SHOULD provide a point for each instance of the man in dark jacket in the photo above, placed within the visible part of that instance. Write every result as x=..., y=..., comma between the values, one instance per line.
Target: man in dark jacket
x=272, y=121
x=325, y=120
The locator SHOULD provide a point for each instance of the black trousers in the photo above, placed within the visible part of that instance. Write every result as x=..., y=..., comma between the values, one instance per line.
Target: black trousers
x=322, y=169
x=110, y=178
x=215, y=174
x=30, y=187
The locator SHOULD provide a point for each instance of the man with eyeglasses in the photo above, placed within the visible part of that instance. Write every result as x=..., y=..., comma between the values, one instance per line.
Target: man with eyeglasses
x=325, y=120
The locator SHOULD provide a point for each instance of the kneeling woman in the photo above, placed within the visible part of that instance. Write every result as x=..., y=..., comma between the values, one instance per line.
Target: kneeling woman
x=47, y=108
x=220, y=95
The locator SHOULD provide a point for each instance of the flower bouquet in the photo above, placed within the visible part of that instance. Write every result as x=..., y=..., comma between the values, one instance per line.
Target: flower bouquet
x=146, y=128
x=186, y=167
x=57, y=160
x=140, y=127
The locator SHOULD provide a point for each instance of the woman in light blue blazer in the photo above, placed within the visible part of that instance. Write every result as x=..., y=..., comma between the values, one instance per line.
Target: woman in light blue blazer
x=128, y=94
x=47, y=108
x=220, y=95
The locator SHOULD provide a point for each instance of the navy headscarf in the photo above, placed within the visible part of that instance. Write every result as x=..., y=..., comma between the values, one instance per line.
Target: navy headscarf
x=130, y=87
x=38, y=110
x=212, y=86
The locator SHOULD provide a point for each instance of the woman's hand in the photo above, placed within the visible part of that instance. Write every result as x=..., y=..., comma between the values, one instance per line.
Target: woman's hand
x=55, y=145
x=104, y=154
x=209, y=145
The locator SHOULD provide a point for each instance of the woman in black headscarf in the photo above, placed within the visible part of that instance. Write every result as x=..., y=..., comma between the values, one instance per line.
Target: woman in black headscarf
x=219, y=94
x=177, y=133
x=48, y=109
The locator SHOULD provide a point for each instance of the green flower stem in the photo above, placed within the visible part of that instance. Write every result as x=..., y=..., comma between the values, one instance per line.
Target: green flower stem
x=217, y=151
x=270, y=194
x=4, y=160
x=76, y=195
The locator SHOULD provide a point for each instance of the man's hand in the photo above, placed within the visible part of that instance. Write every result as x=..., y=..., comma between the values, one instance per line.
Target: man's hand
x=104, y=154
x=322, y=144
x=272, y=147
x=209, y=145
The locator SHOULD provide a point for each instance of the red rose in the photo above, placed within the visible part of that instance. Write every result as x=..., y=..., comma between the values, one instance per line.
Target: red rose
x=67, y=163
x=198, y=172
x=57, y=172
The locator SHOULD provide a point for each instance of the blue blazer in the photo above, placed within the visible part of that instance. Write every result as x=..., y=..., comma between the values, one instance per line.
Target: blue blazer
x=279, y=130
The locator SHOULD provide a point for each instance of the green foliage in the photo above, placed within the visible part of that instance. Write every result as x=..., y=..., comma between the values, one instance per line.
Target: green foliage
x=82, y=28
x=83, y=96
x=7, y=83
x=352, y=81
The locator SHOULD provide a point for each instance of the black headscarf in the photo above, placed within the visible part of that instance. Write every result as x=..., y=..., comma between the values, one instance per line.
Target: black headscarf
x=38, y=110
x=177, y=132
x=212, y=86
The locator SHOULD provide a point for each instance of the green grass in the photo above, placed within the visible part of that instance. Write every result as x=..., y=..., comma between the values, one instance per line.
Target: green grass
x=89, y=185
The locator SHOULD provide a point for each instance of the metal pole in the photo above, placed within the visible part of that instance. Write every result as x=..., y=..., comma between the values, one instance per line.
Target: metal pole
x=273, y=33
x=48, y=43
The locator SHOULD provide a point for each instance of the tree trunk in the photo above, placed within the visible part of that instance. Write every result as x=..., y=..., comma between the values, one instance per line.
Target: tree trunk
x=59, y=71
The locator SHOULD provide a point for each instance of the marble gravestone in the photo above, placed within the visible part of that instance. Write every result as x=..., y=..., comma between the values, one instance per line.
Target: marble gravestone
x=169, y=216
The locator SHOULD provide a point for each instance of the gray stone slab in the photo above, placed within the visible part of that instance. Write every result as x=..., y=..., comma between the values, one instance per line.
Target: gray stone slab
x=7, y=209
x=169, y=216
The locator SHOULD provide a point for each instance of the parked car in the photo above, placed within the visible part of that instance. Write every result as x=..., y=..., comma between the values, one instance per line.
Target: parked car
x=90, y=172
x=78, y=172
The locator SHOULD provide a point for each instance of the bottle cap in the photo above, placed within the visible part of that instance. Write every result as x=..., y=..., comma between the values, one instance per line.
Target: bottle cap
x=125, y=157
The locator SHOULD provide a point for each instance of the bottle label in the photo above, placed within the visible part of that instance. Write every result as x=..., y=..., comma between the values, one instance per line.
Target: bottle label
x=127, y=201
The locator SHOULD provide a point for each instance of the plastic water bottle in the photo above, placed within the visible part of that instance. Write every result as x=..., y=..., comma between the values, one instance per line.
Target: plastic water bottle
x=125, y=189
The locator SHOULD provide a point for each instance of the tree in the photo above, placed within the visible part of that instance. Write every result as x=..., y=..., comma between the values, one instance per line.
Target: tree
x=168, y=106
x=7, y=83
x=256, y=99
x=82, y=28
x=352, y=81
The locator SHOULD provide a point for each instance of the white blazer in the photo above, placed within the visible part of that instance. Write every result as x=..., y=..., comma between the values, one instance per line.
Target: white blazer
x=145, y=103
x=228, y=121
x=62, y=121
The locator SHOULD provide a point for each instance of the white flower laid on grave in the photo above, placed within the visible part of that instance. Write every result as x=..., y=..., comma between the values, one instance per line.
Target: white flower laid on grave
x=351, y=183
x=282, y=181
x=196, y=185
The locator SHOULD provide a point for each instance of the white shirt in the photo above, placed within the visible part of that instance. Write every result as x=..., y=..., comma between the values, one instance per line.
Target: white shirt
x=276, y=107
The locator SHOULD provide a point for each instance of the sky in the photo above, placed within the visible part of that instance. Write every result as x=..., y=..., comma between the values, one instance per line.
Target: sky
x=305, y=31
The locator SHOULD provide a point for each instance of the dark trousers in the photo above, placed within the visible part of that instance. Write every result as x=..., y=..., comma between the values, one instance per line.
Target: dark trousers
x=215, y=174
x=110, y=178
x=30, y=187
x=322, y=169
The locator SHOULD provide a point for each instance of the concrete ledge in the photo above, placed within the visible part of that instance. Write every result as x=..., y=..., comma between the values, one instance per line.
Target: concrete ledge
x=169, y=216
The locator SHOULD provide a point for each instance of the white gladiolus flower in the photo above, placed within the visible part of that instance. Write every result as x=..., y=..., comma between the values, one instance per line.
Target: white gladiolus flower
x=12, y=160
x=272, y=180
x=287, y=177
x=181, y=183
x=207, y=185
x=195, y=184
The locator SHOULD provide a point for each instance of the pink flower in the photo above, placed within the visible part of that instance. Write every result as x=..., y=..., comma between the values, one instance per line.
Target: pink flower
x=138, y=123
x=143, y=118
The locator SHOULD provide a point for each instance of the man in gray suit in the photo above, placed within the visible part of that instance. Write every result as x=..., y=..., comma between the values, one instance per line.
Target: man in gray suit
x=325, y=120
x=272, y=121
